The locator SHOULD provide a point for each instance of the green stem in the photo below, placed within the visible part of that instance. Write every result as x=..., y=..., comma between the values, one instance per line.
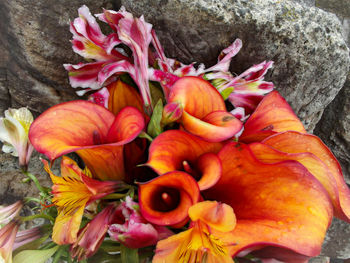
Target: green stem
x=146, y=136
x=32, y=217
x=114, y=196
x=35, y=180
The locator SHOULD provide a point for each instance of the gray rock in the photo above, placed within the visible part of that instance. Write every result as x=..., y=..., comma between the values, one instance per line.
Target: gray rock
x=337, y=243
x=36, y=36
x=334, y=128
x=311, y=57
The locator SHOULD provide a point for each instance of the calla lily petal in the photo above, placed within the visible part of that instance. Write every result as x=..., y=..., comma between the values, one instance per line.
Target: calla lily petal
x=295, y=142
x=210, y=167
x=170, y=149
x=204, y=115
x=271, y=202
x=314, y=165
x=272, y=115
x=215, y=127
x=122, y=95
x=166, y=199
x=90, y=130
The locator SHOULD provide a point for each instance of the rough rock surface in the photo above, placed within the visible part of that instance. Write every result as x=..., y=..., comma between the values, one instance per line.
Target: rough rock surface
x=35, y=38
x=334, y=128
x=311, y=57
x=334, y=125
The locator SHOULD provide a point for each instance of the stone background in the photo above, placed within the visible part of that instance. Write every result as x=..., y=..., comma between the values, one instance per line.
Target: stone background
x=307, y=40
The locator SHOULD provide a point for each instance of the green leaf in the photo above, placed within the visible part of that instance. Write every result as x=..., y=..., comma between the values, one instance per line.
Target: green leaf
x=154, y=127
x=226, y=92
x=35, y=244
x=129, y=255
x=156, y=93
x=34, y=256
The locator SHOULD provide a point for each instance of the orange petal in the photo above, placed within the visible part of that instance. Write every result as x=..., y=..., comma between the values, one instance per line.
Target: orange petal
x=215, y=127
x=294, y=142
x=314, y=165
x=127, y=125
x=272, y=115
x=69, y=126
x=83, y=127
x=122, y=95
x=278, y=204
x=209, y=165
x=217, y=215
x=197, y=96
x=204, y=111
x=166, y=199
x=170, y=149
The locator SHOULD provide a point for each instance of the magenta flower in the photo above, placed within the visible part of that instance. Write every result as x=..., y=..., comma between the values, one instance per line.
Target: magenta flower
x=133, y=230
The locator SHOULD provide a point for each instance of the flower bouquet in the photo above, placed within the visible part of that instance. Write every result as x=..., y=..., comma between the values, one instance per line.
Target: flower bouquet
x=169, y=162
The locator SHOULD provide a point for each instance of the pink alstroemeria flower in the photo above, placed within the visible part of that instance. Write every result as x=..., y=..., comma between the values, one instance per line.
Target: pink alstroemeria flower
x=91, y=43
x=7, y=239
x=91, y=236
x=7, y=213
x=133, y=230
x=245, y=90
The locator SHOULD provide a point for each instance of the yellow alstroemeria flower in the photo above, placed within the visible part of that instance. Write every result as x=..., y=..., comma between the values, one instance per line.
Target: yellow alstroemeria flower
x=201, y=243
x=73, y=191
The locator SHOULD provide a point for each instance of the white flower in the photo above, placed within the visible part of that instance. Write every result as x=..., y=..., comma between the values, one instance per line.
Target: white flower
x=14, y=128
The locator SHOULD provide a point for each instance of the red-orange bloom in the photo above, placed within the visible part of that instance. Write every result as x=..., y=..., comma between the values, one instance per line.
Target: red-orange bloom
x=166, y=199
x=204, y=112
x=90, y=130
x=278, y=205
x=178, y=150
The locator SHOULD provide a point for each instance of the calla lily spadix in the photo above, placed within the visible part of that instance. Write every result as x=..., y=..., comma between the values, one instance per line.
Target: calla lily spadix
x=166, y=199
x=90, y=130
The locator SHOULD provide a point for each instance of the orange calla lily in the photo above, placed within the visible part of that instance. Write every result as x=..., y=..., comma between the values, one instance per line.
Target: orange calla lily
x=179, y=150
x=277, y=205
x=272, y=115
x=72, y=192
x=91, y=131
x=166, y=199
x=204, y=112
x=333, y=180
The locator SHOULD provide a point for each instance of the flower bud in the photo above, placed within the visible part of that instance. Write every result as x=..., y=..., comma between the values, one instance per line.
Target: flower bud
x=133, y=230
x=171, y=112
